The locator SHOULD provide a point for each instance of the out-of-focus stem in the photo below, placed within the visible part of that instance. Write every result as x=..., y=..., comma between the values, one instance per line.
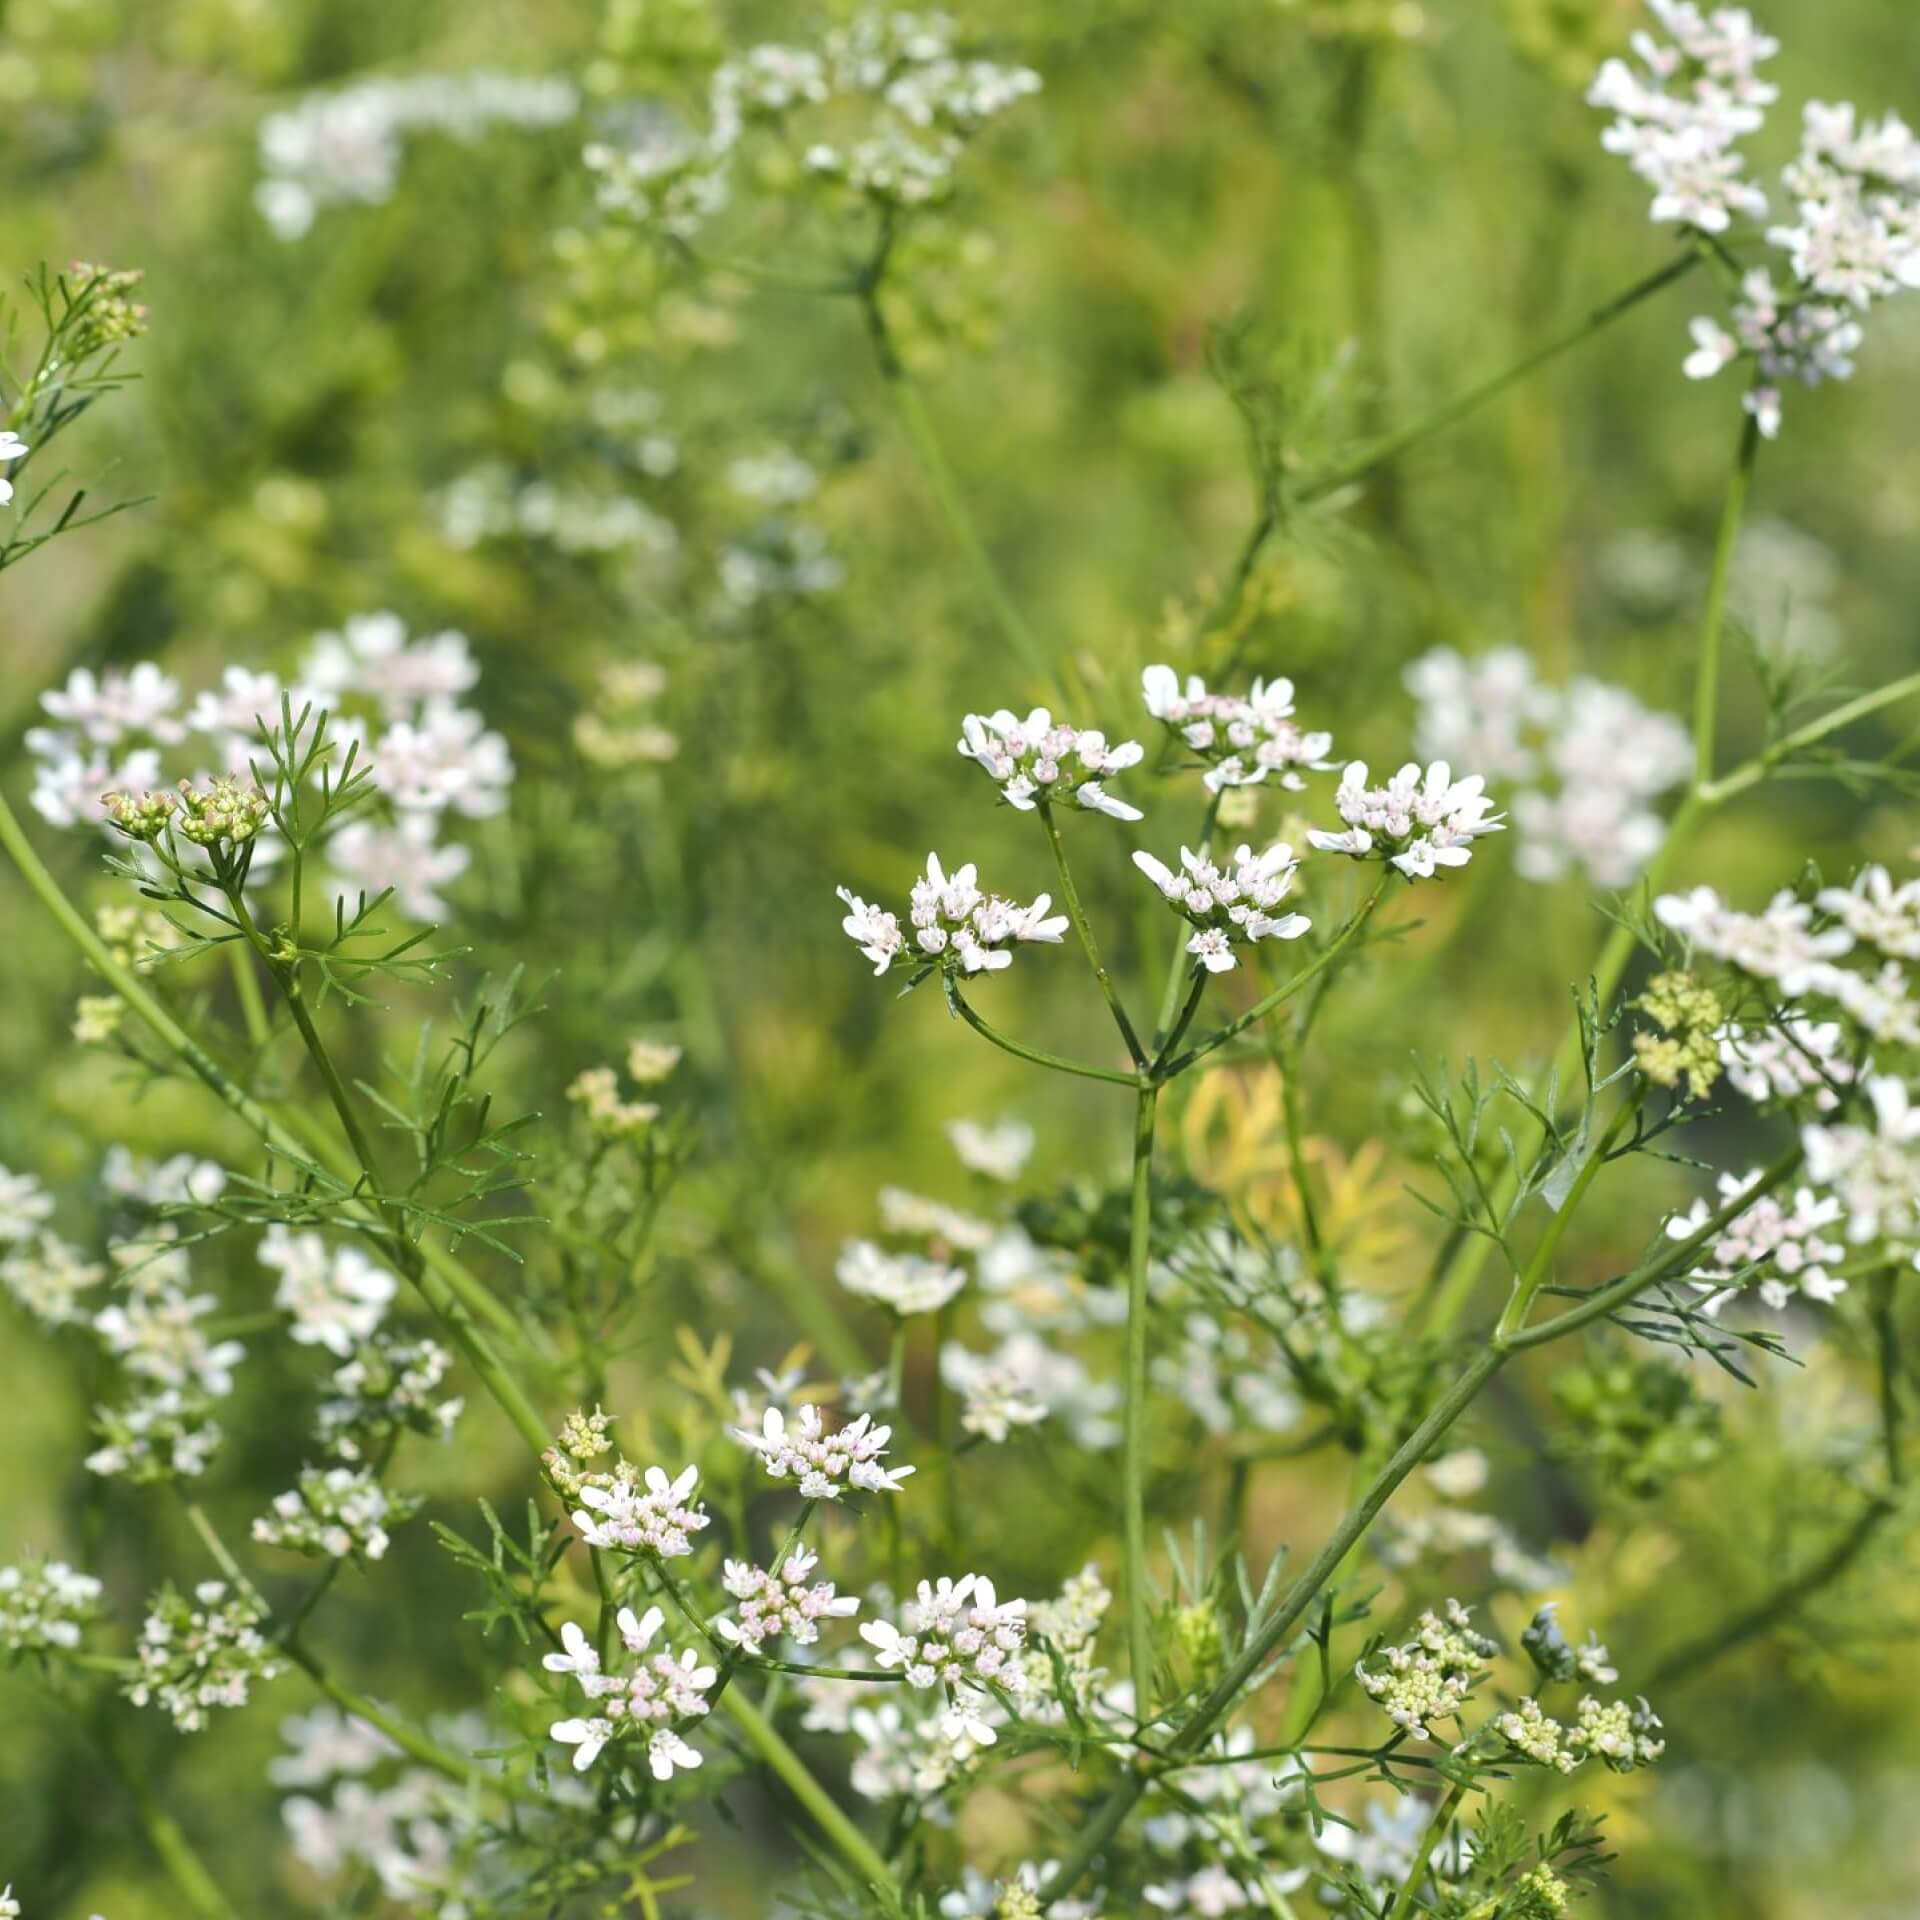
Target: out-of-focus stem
x=1134, y=1465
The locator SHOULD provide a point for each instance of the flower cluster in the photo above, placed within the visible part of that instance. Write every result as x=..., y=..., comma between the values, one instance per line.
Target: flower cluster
x=1420, y=821
x=389, y=1386
x=1592, y=759
x=995, y=1397
x=956, y=1633
x=47, y=1277
x=395, y=701
x=344, y=148
x=880, y=110
x=1873, y=1166
x=337, y=1512
x=1679, y=116
x=201, y=1652
x=654, y=1701
x=1854, y=188
x=824, y=1464
x=1241, y=740
x=1621, y=1736
x=641, y=1513
x=786, y=1602
x=12, y=448
x=1000, y=1151
x=956, y=926
x=903, y=1283
x=1795, y=1059
x=1428, y=1679
x=1782, y=1247
x=45, y=1605
x=1229, y=905
x=336, y=1296
x=1036, y=760
x=155, y=1332
x=610, y=1116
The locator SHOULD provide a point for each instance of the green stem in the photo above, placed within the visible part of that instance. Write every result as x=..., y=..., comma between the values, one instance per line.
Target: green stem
x=246, y=987
x=1529, y=1282
x=1844, y=715
x=1037, y=1056
x=1451, y=412
x=175, y=1851
x=917, y=424
x=1261, y=1008
x=1436, y=1831
x=411, y=1741
x=1781, y=1604
x=1134, y=1464
x=1077, y=914
x=1706, y=686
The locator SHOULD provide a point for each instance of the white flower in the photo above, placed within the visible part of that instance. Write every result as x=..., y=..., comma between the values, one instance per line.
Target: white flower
x=1783, y=1062
x=1241, y=740
x=1000, y=1151
x=324, y=1744
x=953, y=1634
x=1873, y=1170
x=180, y=1181
x=340, y=1512
x=994, y=1397
x=1876, y=912
x=47, y=1277
x=12, y=447
x=956, y=926
x=447, y=758
x=1714, y=348
x=903, y=1282
x=1420, y=821
x=1782, y=1248
x=24, y=1206
x=407, y=859
x=1777, y=945
x=371, y=656
x=1036, y=760
x=786, y=1602
x=1229, y=905
x=106, y=708
x=650, y=1702
x=825, y=1464
x=653, y=1515
x=201, y=1653
x=336, y=1296
x=45, y=1604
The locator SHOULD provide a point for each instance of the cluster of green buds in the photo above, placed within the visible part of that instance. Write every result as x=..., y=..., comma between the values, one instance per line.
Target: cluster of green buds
x=1539, y=1894
x=107, y=315
x=222, y=812
x=583, y=1437
x=1689, y=1017
x=225, y=811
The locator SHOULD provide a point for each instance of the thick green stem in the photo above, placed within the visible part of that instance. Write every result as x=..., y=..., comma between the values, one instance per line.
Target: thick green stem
x=1436, y=1831
x=1070, y=895
x=1706, y=686
x=1134, y=1466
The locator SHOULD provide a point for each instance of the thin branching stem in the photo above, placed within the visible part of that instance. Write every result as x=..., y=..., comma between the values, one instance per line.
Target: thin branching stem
x=1070, y=896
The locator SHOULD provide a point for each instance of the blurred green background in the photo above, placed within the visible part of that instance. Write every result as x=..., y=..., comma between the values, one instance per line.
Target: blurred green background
x=1392, y=200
